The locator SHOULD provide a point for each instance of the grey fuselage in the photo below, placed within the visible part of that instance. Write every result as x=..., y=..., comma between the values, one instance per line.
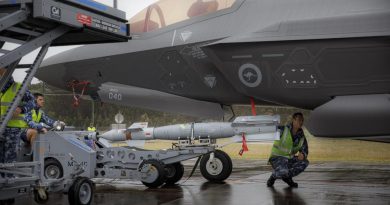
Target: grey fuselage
x=299, y=53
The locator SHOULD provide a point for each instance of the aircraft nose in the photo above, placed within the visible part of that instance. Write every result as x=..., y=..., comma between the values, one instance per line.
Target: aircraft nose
x=53, y=70
x=52, y=74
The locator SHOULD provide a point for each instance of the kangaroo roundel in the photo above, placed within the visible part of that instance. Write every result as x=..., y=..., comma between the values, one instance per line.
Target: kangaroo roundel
x=250, y=75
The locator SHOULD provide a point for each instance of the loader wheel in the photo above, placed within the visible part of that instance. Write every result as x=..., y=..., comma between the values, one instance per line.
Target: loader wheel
x=53, y=169
x=174, y=173
x=218, y=169
x=152, y=172
x=81, y=192
x=41, y=196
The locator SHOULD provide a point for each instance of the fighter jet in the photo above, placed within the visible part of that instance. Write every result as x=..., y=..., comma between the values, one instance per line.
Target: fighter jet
x=198, y=57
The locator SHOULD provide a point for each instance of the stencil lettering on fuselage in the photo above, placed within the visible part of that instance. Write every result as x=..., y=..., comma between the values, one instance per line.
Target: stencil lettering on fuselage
x=114, y=94
x=194, y=52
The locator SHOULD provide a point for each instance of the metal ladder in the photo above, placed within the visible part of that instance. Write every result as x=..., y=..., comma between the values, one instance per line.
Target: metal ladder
x=14, y=30
x=21, y=23
x=16, y=27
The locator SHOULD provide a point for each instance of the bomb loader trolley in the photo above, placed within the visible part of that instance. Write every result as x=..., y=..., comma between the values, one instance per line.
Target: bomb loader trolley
x=192, y=140
x=68, y=153
x=40, y=24
x=92, y=155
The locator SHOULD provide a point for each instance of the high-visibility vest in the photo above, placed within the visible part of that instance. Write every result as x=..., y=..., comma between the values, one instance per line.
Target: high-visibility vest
x=93, y=129
x=285, y=146
x=36, y=118
x=6, y=100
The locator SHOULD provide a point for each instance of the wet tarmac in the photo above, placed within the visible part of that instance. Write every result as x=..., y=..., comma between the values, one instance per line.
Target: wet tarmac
x=321, y=183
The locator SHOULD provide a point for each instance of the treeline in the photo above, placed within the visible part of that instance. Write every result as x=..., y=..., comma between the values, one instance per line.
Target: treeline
x=61, y=107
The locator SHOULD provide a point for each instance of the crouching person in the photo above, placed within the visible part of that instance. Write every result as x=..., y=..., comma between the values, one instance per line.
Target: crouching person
x=289, y=154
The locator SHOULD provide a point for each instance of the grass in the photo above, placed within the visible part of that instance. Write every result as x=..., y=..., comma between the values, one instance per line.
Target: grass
x=320, y=149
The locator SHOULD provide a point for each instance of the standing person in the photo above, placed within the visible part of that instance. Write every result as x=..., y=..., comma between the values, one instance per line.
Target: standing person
x=289, y=154
x=34, y=119
x=11, y=134
x=91, y=128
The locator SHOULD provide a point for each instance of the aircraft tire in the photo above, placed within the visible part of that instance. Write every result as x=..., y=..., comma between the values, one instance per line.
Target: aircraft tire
x=218, y=169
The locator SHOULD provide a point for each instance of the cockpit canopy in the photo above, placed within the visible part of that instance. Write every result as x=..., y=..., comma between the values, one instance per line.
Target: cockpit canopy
x=166, y=12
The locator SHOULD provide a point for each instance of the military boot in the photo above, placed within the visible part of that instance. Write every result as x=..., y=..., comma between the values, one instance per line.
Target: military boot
x=271, y=181
x=290, y=182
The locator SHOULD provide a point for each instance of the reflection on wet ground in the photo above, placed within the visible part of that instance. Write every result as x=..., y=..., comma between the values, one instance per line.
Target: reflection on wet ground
x=321, y=183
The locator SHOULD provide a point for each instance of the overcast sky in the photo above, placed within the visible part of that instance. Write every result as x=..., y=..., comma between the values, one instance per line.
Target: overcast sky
x=131, y=7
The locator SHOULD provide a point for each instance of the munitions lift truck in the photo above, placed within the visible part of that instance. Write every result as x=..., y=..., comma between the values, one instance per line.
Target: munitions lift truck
x=40, y=24
x=67, y=153
x=70, y=154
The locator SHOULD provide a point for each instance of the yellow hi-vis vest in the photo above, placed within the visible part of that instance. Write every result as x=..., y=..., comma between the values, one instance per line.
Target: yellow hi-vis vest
x=285, y=146
x=35, y=117
x=93, y=129
x=6, y=100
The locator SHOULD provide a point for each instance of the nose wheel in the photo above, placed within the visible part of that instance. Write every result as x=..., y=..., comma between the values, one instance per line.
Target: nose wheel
x=216, y=166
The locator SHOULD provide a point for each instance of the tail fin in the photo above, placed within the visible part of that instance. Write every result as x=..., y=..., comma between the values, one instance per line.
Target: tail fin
x=137, y=126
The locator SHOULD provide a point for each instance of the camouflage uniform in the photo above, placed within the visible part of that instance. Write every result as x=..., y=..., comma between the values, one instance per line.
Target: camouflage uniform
x=36, y=125
x=8, y=148
x=287, y=168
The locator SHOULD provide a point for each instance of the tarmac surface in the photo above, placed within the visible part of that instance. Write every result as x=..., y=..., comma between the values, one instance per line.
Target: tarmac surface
x=321, y=183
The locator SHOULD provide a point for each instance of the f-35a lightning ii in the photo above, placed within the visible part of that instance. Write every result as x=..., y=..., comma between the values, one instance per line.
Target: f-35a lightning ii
x=192, y=56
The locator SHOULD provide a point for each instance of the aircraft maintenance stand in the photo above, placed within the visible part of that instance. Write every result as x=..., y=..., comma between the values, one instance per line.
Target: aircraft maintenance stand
x=40, y=24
